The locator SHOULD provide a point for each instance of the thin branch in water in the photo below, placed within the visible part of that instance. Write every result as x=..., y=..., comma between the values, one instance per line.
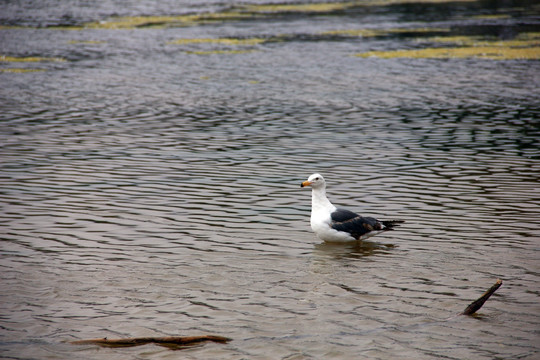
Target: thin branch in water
x=168, y=341
x=478, y=303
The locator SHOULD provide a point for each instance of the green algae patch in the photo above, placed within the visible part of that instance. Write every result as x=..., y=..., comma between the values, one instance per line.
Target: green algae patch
x=19, y=70
x=233, y=13
x=529, y=36
x=219, y=52
x=329, y=7
x=228, y=43
x=64, y=28
x=312, y=8
x=384, y=32
x=29, y=59
x=356, y=32
x=482, y=52
x=524, y=46
x=222, y=41
x=400, y=2
x=132, y=22
x=480, y=41
x=240, y=12
x=11, y=27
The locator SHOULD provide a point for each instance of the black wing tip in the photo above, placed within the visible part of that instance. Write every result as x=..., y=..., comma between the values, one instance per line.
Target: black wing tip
x=391, y=224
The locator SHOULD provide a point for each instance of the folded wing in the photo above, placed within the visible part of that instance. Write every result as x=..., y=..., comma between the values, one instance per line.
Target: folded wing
x=354, y=224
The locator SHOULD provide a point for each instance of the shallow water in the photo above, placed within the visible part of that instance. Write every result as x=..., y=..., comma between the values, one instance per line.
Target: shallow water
x=151, y=188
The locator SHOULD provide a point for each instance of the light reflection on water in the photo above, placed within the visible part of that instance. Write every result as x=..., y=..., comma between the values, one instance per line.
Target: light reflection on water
x=148, y=193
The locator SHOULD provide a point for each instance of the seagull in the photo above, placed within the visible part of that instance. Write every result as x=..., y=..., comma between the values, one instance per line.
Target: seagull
x=332, y=224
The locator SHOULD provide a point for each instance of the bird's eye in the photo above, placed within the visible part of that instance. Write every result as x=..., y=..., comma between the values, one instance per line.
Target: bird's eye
x=316, y=178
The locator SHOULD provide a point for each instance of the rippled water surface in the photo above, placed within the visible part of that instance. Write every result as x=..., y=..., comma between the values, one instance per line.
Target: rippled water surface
x=151, y=155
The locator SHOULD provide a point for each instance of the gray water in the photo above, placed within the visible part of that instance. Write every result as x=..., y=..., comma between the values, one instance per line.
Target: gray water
x=150, y=189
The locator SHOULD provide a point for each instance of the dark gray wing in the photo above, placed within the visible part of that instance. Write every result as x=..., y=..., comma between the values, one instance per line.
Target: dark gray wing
x=341, y=215
x=354, y=224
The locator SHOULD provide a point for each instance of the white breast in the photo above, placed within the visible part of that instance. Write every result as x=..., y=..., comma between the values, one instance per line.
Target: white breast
x=321, y=210
x=320, y=224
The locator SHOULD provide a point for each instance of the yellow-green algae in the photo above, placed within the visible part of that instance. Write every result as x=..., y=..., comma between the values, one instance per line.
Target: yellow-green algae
x=4, y=58
x=483, y=52
x=382, y=32
x=213, y=52
x=323, y=7
x=8, y=27
x=479, y=41
x=525, y=46
x=28, y=59
x=529, y=36
x=313, y=8
x=223, y=41
x=236, y=13
x=19, y=70
x=131, y=22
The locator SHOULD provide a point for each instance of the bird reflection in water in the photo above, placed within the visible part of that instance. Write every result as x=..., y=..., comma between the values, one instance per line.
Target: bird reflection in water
x=354, y=250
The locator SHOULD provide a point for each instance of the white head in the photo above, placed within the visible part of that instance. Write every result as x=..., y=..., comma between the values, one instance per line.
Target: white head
x=316, y=181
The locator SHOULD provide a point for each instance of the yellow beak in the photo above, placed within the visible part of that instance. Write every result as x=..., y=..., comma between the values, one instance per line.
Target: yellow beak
x=305, y=183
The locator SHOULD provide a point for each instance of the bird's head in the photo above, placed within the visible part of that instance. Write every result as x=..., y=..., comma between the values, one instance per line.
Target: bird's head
x=315, y=181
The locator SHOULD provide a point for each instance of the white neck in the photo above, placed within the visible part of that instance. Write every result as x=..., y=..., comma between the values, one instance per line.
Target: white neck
x=319, y=201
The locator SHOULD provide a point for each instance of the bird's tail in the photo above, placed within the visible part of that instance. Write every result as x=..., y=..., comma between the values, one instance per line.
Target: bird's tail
x=391, y=224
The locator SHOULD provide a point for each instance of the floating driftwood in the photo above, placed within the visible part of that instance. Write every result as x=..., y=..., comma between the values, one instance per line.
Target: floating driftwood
x=168, y=341
x=478, y=303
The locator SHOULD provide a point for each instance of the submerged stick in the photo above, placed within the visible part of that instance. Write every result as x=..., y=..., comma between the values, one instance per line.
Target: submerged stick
x=477, y=304
x=163, y=341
